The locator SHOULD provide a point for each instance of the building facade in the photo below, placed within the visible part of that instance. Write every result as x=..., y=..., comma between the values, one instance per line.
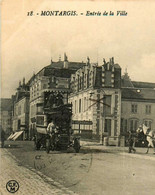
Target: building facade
x=51, y=81
x=104, y=104
x=96, y=99
x=138, y=104
x=6, y=115
x=21, y=110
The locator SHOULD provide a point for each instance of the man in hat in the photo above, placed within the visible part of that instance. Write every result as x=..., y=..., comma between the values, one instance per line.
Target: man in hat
x=131, y=142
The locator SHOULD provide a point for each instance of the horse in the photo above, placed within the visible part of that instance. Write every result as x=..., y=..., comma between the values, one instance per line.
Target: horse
x=150, y=136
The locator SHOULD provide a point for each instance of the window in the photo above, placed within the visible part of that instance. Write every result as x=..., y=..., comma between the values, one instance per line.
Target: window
x=40, y=120
x=148, y=109
x=107, y=104
x=115, y=127
x=80, y=85
x=44, y=86
x=124, y=125
x=108, y=79
x=90, y=78
x=79, y=105
x=108, y=126
x=19, y=110
x=75, y=106
x=148, y=123
x=85, y=103
x=134, y=108
x=83, y=80
x=24, y=107
x=133, y=124
x=87, y=78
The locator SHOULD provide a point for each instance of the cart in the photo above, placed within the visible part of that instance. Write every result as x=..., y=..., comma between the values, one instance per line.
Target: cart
x=61, y=140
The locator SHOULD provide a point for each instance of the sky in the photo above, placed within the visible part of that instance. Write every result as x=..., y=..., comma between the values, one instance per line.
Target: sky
x=29, y=42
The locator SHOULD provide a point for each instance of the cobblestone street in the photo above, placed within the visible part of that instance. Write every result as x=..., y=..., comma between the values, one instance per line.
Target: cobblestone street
x=30, y=181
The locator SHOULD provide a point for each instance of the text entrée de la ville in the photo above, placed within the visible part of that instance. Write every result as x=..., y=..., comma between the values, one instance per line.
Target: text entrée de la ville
x=75, y=13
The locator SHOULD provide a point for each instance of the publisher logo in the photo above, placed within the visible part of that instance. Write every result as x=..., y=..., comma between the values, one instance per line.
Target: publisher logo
x=12, y=186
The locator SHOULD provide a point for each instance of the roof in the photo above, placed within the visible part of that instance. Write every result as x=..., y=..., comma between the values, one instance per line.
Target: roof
x=5, y=104
x=56, y=69
x=126, y=81
x=138, y=84
x=139, y=94
x=117, y=66
x=71, y=65
x=65, y=73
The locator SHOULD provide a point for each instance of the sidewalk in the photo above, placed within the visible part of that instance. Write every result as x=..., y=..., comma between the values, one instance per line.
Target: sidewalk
x=140, y=152
x=29, y=181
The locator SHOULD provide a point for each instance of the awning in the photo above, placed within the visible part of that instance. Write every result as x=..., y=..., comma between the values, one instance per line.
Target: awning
x=17, y=135
x=10, y=136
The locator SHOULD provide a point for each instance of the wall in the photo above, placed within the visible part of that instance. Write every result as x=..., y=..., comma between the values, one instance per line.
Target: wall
x=5, y=121
x=21, y=116
x=140, y=116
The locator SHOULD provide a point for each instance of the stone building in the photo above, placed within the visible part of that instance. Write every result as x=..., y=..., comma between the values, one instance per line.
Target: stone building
x=53, y=79
x=6, y=115
x=104, y=104
x=21, y=110
x=138, y=104
x=96, y=99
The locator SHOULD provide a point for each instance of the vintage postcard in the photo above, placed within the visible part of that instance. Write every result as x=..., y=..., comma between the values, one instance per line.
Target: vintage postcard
x=77, y=102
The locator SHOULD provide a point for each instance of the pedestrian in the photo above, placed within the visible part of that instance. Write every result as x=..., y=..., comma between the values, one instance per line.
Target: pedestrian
x=2, y=136
x=131, y=142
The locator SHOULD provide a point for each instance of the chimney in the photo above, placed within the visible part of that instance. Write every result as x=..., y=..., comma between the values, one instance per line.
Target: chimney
x=104, y=61
x=88, y=60
x=112, y=60
x=65, y=61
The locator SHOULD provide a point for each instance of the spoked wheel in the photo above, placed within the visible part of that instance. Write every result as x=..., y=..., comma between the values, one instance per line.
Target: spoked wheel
x=47, y=145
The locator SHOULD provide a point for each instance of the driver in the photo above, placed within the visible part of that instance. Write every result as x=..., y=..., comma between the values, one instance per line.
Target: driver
x=52, y=130
x=51, y=127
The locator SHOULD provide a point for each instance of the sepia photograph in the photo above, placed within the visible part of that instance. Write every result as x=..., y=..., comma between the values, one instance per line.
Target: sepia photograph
x=77, y=97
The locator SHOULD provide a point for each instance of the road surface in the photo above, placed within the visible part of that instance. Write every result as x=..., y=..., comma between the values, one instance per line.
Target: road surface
x=92, y=171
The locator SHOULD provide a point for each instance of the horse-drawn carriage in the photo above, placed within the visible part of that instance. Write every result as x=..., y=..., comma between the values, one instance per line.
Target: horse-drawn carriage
x=60, y=139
